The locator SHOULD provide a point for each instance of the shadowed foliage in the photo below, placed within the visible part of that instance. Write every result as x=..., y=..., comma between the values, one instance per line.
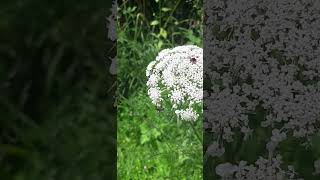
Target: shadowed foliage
x=56, y=105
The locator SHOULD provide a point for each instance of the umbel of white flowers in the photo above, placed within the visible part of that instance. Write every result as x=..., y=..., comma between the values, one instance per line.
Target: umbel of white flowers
x=176, y=76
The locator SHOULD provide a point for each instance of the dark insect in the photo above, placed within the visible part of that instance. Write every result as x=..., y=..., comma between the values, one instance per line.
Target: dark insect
x=159, y=109
x=193, y=60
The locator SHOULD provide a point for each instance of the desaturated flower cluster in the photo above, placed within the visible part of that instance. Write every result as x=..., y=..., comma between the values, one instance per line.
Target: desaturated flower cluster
x=112, y=34
x=177, y=75
x=262, y=54
x=112, y=22
x=262, y=169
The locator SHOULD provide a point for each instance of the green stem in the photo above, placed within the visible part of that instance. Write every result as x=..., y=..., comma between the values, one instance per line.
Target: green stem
x=195, y=131
x=174, y=9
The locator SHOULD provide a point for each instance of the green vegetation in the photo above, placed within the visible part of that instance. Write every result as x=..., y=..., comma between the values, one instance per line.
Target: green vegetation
x=152, y=144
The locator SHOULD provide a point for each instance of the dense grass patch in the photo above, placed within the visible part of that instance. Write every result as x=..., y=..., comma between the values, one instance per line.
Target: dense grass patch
x=153, y=145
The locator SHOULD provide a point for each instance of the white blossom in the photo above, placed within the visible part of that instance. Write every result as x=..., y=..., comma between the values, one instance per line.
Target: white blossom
x=187, y=114
x=178, y=74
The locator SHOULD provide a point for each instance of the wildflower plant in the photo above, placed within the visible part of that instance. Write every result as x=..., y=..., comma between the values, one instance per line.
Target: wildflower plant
x=176, y=78
x=147, y=136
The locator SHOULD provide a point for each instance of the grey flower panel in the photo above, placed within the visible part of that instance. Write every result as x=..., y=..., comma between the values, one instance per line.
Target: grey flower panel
x=261, y=89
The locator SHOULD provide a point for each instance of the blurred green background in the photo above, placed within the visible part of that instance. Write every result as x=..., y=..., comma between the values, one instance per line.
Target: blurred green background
x=152, y=144
x=57, y=119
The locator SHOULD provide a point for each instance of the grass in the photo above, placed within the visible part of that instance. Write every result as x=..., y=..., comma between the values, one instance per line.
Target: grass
x=152, y=146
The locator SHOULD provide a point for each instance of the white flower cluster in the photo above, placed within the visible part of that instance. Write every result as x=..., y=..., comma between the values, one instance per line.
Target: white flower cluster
x=177, y=75
x=262, y=60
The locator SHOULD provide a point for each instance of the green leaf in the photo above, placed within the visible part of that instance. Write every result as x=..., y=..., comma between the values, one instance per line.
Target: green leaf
x=159, y=45
x=165, y=9
x=145, y=135
x=163, y=33
x=154, y=23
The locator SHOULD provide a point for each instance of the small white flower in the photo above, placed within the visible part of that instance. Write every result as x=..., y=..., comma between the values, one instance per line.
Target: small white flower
x=214, y=150
x=113, y=66
x=226, y=169
x=188, y=114
x=155, y=95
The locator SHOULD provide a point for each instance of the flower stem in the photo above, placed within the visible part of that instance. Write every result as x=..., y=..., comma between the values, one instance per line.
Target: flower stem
x=195, y=131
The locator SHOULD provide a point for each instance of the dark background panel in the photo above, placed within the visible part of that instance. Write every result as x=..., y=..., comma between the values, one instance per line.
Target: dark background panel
x=57, y=119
